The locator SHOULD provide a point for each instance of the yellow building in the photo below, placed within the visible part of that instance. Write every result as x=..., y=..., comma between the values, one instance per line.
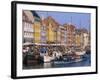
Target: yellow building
x=51, y=25
x=78, y=40
x=82, y=38
x=37, y=31
x=50, y=34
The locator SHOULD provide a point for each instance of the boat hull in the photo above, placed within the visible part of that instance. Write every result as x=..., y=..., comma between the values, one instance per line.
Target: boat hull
x=80, y=53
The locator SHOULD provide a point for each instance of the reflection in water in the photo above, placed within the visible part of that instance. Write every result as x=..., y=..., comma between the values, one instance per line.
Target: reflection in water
x=47, y=65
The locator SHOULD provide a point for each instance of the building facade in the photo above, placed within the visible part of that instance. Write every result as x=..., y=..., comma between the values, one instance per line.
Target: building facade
x=51, y=29
x=78, y=38
x=63, y=36
x=70, y=35
x=85, y=34
x=27, y=23
x=81, y=38
x=36, y=28
x=59, y=35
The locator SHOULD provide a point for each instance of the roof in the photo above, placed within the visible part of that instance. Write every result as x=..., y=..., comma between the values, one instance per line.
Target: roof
x=83, y=30
x=29, y=15
x=48, y=20
x=35, y=14
x=69, y=26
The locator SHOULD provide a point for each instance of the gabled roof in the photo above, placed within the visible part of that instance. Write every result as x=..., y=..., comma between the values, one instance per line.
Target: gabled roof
x=48, y=20
x=35, y=14
x=70, y=26
x=29, y=15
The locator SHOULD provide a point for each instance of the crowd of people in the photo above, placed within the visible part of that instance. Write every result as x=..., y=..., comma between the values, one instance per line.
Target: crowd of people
x=42, y=50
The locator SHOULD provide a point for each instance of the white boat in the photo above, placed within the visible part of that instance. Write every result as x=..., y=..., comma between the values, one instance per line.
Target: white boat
x=47, y=58
x=80, y=53
x=56, y=54
x=78, y=60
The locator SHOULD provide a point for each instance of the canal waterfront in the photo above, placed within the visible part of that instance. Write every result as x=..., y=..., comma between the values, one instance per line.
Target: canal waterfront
x=85, y=62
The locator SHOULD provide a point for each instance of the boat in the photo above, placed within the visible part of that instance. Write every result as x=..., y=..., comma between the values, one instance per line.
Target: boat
x=66, y=61
x=78, y=60
x=69, y=59
x=47, y=58
x=80, y=53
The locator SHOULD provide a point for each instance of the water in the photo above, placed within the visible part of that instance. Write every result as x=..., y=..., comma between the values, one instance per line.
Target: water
x=85, y=62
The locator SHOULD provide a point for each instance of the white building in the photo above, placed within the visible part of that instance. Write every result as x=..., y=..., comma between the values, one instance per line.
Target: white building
x=85, y=39
x=63, y=35
x=28, y=21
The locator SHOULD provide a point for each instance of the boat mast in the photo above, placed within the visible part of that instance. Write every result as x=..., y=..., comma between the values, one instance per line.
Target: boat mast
x=70, y=35
x=81, y=33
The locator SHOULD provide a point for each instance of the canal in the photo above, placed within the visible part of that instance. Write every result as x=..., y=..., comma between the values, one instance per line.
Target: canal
x=85, y=62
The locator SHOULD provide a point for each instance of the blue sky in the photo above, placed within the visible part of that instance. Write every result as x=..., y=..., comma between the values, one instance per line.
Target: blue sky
x=78, y=19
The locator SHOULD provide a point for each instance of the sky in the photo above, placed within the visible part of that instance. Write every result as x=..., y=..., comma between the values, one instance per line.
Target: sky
x=80, y=20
